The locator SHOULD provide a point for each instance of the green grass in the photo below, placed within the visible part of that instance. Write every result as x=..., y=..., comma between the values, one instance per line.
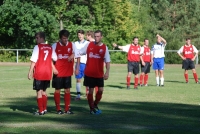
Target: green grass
x=174, y=108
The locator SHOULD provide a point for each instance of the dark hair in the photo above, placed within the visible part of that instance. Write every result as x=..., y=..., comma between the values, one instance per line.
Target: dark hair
x=135, y=37
x=99, y=31
x=91, y=33
x=145, y=39
x=80, y=31
x=187, y=39
x=64, y=33
x=41, y=34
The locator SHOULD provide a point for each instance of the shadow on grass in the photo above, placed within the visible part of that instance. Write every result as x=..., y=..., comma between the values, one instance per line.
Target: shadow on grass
x=123, y=116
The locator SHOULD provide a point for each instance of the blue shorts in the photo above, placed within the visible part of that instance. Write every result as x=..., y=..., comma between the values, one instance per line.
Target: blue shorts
x=81, y=71
x=158, y=63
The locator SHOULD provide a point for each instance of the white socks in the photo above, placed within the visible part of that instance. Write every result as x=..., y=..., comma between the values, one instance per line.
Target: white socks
x=159, y=81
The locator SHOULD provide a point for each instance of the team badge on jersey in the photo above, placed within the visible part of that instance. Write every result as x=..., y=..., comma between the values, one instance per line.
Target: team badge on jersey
x=101, y=51
x=69, y=49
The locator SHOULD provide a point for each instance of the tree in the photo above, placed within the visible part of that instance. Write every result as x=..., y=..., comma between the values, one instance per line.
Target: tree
x=20, y=21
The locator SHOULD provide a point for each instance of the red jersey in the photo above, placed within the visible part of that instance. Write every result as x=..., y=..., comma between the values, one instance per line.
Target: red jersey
x=134, y=53
x=147, y=54
x=95, y=60
x=43, y=66
x=64, y=67
x=188, y=52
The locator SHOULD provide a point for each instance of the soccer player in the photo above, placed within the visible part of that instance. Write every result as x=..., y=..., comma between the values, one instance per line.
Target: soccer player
x=186, y=52
x=80, y=44
x=64, y=64
x=41, y=65
x=90, y=38
x=157, y=58
x=97, y=54
x=145, y=59
x=133, y=57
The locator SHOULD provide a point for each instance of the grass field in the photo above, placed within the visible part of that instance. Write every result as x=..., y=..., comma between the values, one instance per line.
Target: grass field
x=174, y=108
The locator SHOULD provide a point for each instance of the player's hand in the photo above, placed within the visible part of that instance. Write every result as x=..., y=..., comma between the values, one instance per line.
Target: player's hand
x=183, y=58
x=106, y=75
x=29, y=75
x=143, y=63
x=55, y=71
x=193, y=59
x=76, y=71
x=70, y=58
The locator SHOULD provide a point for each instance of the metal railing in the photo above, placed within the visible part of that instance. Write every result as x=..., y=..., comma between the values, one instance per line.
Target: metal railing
x=17, y=52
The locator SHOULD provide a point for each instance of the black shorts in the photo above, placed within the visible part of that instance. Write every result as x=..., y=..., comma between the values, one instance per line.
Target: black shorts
x=61, y=82
x=41, y=84
x=92, y=82
x=146, y=69
x=133, y=67
x=188, y=64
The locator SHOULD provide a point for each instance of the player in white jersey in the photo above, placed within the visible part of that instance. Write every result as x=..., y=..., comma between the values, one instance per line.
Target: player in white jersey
x=78, y=45
x=157, y=58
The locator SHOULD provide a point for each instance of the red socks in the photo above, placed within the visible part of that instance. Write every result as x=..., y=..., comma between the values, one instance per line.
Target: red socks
x=195, y=77
x=98, y=98
x=57, y=101
x=40, y=104
x=44, y=98
x=141, y=78
x=90, y=101
x=146, y=76
x=136, y=82
x=128, y=79
x=96, y=90
x=67, y=99
x=186, y=77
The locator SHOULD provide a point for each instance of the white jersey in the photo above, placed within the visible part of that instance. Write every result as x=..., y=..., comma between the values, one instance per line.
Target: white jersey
x=79, y=45
x=157, y=50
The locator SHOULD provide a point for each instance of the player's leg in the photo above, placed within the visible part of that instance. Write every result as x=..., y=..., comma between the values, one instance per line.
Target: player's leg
x=67, y=100
x=147, y=70
x=136, y=73
x=46, y=84
x=142, y=75
x=155, y=67
x=185, y=66
x=161, y=71
x=128, y=78
x=192, y=66
x=186, y=75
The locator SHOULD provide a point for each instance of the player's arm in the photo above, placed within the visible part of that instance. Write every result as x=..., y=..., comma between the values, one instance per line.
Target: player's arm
x=107, y=62
x=195, y=51
x=141, y=56
x=180, y=51
x=116, y=46
x=162, y=39
x=30, y=73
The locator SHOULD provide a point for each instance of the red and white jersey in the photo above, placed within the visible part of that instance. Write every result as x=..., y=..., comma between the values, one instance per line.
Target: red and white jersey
x=134, y=53
x=42, y=56
x=188, y=51
x=64, y=67
x=96, y=56
x=146, y=51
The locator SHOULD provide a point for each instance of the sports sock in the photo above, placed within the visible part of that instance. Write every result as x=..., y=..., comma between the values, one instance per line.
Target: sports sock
x=44, y=98
x=146, y=76
x=57, y=100
x=96, y=90
x=90, y=101
x=195, y=77
x=98, y=98
x=128, y=79
x=67, y=99
x=186, y=77
x=141, y=78
x=78, y=88
x=157, y=81
x=162, y=81
x=136, y=82
x=40, y=104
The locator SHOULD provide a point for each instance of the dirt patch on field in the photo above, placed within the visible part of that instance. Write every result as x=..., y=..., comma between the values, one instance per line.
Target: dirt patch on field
x=14, y=64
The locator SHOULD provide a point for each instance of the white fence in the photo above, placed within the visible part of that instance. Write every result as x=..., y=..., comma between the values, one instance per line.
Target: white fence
x=17, y=52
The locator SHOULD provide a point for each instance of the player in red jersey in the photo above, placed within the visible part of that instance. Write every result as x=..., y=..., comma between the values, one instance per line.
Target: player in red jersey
x=41, y=65
x=186, y=52
x=64, y=64
x=97, y=54
x=90, y=38
x=145, y=59
x=133, y=57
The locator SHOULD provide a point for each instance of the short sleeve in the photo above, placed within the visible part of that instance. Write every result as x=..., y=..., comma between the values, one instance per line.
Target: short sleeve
x=107, y=56
x=35, y=54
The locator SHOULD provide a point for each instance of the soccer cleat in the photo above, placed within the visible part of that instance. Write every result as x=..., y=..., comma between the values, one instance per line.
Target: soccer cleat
x=38, y=113
x=197, y=82
x=94, y=111
x=45, y=111
x=69, y=112
x=157, y=85
x=162, y=85
x=146, y=85
x=59, y=112
x=141, y=85
x=135, y=87
x=77, y=98
x=97, y=109
x=186, y=82
x=128, y=87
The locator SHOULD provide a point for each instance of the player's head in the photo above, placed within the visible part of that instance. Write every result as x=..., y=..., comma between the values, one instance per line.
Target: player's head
x=188, y=41
x=98, y=36
x=135, y=40
x=159, y=39
x=40, y=37
x=89, y=35
x=64, y=35
x=80, y=34
x=146, y=42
